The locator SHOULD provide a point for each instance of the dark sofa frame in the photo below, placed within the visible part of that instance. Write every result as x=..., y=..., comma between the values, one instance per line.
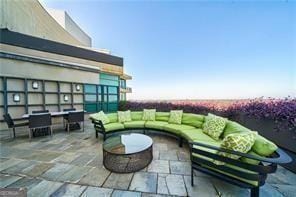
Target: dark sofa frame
x=257, y=172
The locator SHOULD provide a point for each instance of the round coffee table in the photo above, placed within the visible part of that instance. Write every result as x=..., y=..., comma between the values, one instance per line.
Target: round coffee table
x=127, y=152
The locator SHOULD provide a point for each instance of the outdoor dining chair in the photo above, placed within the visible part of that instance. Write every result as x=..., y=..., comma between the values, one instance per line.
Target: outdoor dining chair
x=75, y=117
x=39, y=121
x=10, y=123
x=65, y=117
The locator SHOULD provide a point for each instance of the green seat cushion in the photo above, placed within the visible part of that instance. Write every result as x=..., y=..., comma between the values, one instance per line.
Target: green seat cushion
x=113, y=126
x=175, y=116
x=176, y=128
x=155, y=124
x=234, y=127
x=162, y=116
x=149, y=114
x=214, y=125
x=255, y=183
x=100, y=116
x=251, y=161
x=195, y=120
x=263, y=146
x=137, y=115
x=212, y=143
x=196, y=134
x=113, y=117
x=218, y=144
x=134, y=124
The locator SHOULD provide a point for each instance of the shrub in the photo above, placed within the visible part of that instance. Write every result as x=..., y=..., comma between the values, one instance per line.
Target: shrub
x=282, y=111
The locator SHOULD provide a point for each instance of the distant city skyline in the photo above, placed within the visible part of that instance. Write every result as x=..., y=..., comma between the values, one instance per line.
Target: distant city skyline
x=196, y=50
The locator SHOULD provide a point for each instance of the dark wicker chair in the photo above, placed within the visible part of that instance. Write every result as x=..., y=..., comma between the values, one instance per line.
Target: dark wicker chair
x=40, y=121
x=230, y=171
x=75, y=117
x=10, y=123
x=65, y=117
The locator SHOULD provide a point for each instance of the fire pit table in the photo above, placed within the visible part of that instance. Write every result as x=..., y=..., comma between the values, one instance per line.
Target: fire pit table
x=127, y=152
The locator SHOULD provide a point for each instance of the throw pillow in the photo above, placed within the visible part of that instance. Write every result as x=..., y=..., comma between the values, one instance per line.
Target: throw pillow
x=100, y=116
x=124, y=116
x=240, y=142
x=176, y=116
x=149, y=114
x=214, y=126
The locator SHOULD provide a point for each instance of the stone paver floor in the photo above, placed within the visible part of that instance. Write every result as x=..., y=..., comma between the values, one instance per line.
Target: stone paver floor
x=71, y=165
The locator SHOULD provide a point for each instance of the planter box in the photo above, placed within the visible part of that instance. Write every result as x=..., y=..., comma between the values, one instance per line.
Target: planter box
x=267, y=127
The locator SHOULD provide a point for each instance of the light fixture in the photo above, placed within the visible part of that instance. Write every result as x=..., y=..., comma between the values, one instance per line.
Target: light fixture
x=77, y=87
x=66, y=98
x=35, y=85
x=16, y=97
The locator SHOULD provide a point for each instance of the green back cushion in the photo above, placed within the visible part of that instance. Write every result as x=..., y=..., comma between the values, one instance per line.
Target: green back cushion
x=100, y=116
x=113, y=117
x=240, y=142
x=214, y=126
x=162, y=116
x=195, y=120
x=124, y=116
x=137, y=115
x=263, y=146
x=149, y=114
x=234, y=127
x=176, y=116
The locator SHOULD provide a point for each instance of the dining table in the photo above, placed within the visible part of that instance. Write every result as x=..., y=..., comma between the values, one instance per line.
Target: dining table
x=53, y=114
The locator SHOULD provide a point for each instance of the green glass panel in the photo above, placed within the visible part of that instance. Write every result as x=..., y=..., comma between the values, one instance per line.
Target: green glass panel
x=90, y=107
x=122, y=83
x=90, y=88
x=108, y=77
x=113, y=98
x=90, y=97
x=104, y=107
x=109, y=82
x=112, y=107
x=112, y=90
x=99, y=89
x=99, y=106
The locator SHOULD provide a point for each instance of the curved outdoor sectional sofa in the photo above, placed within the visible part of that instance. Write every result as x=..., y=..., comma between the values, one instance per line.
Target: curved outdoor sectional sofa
x=248, y=170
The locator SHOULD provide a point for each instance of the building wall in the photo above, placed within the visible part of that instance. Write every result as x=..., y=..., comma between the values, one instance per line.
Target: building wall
x=70, y=26
x=76, y=31
x=16, y=68
x=107, y=68
x=29, y=17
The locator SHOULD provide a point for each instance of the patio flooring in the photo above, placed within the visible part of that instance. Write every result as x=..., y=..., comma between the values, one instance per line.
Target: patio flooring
x=71, y=165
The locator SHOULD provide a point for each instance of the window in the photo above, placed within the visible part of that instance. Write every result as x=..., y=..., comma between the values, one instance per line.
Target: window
x=122, y=83
x=112, y=90
x=90, y=98
x=90, y=88
x=101, y=97
x=110, y=80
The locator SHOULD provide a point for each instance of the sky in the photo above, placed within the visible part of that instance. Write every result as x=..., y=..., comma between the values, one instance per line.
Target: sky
x=195, y=49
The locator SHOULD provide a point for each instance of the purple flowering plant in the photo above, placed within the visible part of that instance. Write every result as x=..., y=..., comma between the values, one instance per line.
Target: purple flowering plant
x=282, y=111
